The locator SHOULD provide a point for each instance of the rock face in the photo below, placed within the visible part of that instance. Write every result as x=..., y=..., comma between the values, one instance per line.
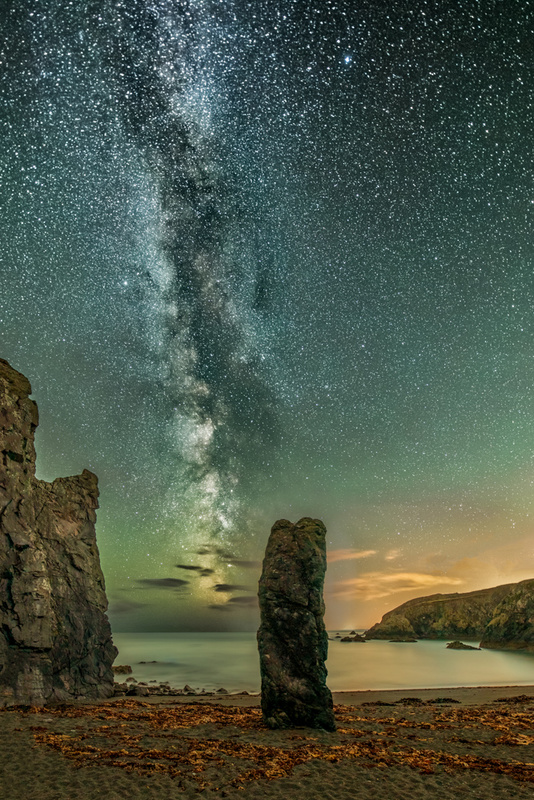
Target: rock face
x=292, y=639
x=442, y=616
x=55, y=639
x=502, y=618
x=512, y=623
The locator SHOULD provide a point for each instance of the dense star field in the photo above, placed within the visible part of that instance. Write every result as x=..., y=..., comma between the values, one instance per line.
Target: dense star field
x=275, y=259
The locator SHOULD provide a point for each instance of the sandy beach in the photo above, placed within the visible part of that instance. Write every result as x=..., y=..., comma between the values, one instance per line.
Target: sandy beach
x=468, y=742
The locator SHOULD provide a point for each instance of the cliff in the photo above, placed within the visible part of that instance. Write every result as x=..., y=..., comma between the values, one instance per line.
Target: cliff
x=442, y=616
x=512, y=623
x=55, y=639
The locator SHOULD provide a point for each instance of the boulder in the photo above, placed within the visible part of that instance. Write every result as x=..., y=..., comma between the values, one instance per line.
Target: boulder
x=292, y=639
x=55, y=638
x=122, y=669
x=138, y=691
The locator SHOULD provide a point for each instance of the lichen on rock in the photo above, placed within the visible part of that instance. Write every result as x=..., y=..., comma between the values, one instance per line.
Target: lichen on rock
x=55, y=638
x=292, y=640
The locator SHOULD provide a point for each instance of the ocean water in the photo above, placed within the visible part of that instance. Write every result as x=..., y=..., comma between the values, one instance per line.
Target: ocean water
x=230, y=660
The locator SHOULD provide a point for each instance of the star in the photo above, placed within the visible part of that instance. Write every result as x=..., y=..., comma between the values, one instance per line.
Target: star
x=271, y=265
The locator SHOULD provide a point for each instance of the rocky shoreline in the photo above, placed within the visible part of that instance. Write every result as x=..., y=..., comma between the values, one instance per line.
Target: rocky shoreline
x=133, y=688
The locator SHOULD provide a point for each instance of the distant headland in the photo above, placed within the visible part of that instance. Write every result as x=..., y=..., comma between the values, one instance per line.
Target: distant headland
x=501, y=617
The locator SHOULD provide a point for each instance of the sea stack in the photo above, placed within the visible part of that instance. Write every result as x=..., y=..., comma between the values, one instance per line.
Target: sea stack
x=292, y=639
x=55, y=638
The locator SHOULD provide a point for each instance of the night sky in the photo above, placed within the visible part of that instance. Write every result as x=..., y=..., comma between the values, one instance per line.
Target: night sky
x=275, y=259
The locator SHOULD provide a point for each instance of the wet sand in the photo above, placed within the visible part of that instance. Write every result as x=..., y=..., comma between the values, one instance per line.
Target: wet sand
x=390, y=744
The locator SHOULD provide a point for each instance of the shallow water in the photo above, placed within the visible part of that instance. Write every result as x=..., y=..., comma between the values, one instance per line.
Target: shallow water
x=230, y=660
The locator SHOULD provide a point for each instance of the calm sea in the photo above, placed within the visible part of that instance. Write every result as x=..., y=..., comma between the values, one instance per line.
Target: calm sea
x=230, y=660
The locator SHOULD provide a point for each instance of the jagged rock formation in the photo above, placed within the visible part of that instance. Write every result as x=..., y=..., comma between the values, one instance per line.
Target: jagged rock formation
x=512, y=623
x=55, y=639
x=292, y=639
x=442, y=616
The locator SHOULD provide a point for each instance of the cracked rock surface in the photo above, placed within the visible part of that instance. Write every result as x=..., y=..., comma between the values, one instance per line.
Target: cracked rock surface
x=55, y=638
x=292, y=639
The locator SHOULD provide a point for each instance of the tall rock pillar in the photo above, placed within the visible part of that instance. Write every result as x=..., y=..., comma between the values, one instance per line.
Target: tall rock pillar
x=292, y=639
x=55, y=639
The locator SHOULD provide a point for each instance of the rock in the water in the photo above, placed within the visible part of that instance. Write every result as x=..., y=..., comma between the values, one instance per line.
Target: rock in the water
x=123, y=669
x=292, y=639
x=55, y=639
x=460, y=646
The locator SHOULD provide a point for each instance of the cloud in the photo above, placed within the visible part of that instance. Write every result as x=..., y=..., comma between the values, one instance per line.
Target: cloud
x=237, y=562
x=124, y=607
x=227, y=557
x=235, y=602
x=247, y=600
x=509, y=561
x=374, y=585
x=163, y=583
x=348, y=554
x=213, y=550
x=392, y=555
x=230, y=587
x=203, y=571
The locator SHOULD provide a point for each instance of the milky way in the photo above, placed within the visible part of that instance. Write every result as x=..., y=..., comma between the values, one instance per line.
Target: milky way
x=163, y=58
x=275, y=259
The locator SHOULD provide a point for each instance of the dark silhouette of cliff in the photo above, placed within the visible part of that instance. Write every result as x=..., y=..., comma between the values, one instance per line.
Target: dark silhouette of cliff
x=55, y=638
